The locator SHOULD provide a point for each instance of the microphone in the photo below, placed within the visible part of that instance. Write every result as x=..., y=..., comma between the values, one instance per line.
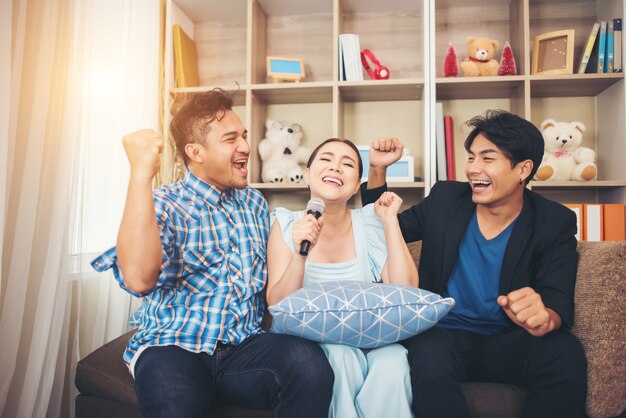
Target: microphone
x=316, y=208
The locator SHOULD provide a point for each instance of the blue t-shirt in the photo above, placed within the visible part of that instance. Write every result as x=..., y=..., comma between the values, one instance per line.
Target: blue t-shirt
x=474, y=283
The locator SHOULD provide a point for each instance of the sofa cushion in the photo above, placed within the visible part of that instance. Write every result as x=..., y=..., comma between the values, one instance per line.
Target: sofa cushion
x=95, y=407
x=103, y=373
x=107, y=388
x=600, y=296
x=358, y=313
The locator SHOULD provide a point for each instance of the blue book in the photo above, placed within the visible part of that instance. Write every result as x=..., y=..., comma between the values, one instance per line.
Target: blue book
x=608, y=62
x=617, y=49
x=601, y=47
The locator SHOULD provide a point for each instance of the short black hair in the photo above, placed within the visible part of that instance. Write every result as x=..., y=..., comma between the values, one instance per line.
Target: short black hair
x=516, y=137
x=192, y=122
x=343, y=141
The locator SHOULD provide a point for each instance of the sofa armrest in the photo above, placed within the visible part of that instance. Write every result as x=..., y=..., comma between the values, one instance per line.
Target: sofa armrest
x=600, y=324
x=104, y=374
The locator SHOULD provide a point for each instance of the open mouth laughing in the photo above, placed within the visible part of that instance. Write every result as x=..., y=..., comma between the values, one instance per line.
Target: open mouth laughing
x=332, y=180
x=241, y=165
x=480, y=185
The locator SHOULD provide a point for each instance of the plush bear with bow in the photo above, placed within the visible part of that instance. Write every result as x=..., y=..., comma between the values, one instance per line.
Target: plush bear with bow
x=481, y=60
x=564, y=159
x=282, y=153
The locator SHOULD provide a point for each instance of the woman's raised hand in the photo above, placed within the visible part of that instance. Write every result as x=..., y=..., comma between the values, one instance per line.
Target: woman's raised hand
x=387, y=206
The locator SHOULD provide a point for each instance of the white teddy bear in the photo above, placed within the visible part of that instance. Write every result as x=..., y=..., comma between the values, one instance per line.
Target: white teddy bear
x=564, y=158
x=282, y=153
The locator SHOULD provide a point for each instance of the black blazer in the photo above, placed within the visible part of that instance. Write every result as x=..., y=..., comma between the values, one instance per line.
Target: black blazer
x=541, y=252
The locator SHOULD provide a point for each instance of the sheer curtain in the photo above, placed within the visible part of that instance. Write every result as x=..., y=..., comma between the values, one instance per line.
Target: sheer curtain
x=5, y=93
x=75, y=77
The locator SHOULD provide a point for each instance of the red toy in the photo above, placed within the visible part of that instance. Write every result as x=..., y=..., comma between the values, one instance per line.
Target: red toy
x=507, y=61
x=450, y=63
x=380, y=72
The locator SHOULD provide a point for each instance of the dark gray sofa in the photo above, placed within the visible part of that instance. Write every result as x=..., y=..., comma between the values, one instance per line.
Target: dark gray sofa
x=106, y=387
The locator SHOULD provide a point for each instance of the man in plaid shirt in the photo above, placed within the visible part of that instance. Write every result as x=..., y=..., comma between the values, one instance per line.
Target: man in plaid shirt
x=195, y=250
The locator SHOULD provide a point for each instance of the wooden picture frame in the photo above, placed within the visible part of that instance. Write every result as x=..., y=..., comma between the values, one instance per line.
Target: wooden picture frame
x=553, y=53
x=285, y=68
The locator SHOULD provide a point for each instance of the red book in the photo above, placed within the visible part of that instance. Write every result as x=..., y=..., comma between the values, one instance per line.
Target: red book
x=449, y=130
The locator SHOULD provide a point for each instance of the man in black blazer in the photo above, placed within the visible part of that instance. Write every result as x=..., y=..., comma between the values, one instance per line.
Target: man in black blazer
x=508, y=257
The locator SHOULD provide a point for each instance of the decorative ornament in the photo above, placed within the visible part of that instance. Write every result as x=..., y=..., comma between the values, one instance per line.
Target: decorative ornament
x=507, y=61
x=450, y=63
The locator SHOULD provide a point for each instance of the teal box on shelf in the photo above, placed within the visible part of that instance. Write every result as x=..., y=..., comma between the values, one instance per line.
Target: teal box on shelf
x=285, y=68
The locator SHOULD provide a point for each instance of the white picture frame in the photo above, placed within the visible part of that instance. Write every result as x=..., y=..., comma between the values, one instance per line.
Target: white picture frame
x=402, y=170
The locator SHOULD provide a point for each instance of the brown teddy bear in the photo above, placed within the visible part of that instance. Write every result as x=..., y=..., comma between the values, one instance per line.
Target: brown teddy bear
x=480, y=62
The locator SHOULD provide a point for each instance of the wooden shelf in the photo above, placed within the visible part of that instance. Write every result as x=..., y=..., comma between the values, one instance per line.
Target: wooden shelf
x=381, y=90
x=497, y=87
x=321, y=92
x=373, y=6
x=406, y=185
x=290, y=93
x=572, y=85
x=290, y=187
x=595, y=184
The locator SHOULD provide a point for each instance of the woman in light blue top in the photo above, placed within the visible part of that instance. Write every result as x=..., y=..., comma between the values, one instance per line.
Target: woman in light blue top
x=358, y=244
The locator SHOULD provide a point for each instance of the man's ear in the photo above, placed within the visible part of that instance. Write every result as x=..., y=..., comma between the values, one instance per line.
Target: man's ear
x=526, y=167
x=194, y=152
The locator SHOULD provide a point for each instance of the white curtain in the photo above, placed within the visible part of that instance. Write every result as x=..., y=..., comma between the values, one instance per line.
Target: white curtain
x=5, y=94
x=75, y=76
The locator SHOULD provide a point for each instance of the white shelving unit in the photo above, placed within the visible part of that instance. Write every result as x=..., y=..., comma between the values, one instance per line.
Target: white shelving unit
x=410, y=38
x=598, y=100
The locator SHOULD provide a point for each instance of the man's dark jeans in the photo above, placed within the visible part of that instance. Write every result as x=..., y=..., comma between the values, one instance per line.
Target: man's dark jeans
x=268, y=371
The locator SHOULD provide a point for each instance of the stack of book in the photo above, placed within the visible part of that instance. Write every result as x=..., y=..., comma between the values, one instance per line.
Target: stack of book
x=603, y=49
x=444, y=146
x=350, y=68
x=600, y=222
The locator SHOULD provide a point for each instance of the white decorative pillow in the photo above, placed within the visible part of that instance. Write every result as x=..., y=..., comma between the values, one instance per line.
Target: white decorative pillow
x=357, y=313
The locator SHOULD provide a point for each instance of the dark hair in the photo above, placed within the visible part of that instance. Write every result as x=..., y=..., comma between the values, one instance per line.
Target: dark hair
x=343, y=141
x=516, y=137
x=191, y=124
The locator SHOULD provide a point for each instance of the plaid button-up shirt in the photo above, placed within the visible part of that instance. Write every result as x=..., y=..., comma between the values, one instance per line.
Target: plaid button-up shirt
x=213, y=271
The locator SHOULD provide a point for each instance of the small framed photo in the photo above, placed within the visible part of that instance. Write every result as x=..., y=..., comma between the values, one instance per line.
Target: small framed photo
x=285, y=68
x=553, y=53
x=400, y=171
